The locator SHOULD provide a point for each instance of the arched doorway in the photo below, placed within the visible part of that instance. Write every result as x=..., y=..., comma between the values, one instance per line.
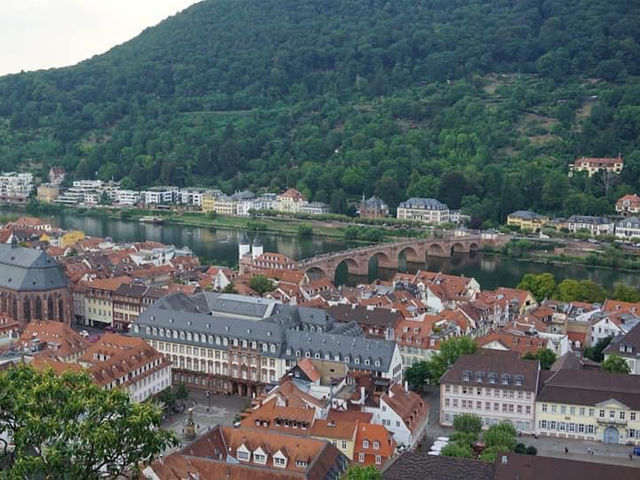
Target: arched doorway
x=611, y=435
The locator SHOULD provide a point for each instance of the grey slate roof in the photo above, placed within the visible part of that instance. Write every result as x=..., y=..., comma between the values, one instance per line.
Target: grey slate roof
x=527, y=214
x=29, y=269
x=425, y=203
x=631, y=222
x=231, y=304
x=589, y=220
x=180, y=313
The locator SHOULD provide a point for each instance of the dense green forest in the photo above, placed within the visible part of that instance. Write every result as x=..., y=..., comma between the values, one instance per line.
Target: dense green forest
x=480, y=103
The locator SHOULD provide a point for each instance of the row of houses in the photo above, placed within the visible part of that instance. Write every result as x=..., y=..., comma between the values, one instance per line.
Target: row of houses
x=571, y=400
x=625, y=229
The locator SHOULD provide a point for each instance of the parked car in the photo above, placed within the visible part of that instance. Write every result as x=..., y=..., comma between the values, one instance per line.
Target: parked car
x=636, y=451
x=84, y=333
x=443, y=439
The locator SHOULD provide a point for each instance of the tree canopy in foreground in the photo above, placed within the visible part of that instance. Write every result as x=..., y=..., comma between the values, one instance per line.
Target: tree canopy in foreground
x=67, y=427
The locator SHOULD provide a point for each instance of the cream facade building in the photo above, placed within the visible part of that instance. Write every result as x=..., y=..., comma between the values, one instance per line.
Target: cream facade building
x=589, y=405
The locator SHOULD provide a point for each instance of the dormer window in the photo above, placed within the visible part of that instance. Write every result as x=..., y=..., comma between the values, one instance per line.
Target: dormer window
x=466, y=376
x=279, y=460
x=493, y=378
x=365, y=444
x=259, y=458
x=519, y=380
x=302, y=464
x=479, y=377
x=376, y=445
x=506, y=379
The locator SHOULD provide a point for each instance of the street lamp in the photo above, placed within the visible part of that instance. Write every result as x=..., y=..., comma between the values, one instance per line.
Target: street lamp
x=209, y=400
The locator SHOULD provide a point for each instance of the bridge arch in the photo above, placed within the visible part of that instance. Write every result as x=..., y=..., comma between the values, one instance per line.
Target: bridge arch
x=474, y=246
x=436, y=250
x=410, y=254
x=458, y=247
x=317, y=272
x=351, y=267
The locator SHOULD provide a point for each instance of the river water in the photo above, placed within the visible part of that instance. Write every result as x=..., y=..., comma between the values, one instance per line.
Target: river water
x=220, y=246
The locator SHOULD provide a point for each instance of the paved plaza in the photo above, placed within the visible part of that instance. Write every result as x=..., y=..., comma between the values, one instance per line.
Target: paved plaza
x=222, y=412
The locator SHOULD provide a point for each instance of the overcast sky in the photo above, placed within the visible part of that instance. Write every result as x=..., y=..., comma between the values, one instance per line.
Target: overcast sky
x=38, y=34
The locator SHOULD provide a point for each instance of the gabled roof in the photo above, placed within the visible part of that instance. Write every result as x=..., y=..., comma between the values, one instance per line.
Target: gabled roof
x=408, y=405
x=419, y=465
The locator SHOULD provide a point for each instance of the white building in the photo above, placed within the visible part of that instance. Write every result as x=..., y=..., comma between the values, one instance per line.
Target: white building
x=628, y=229
x=495, y=385
x=16, y=185
x=315, y=208
x=191, y=196
x=594, y=225
x=427, y=210
x=612, y=326
x=127, y=198
x=160, y=195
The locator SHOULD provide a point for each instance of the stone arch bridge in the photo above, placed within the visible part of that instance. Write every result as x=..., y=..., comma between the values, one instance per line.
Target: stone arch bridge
x=388, y=254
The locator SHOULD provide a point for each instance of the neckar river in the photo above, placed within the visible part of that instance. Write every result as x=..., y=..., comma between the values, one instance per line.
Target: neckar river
x=220, y=246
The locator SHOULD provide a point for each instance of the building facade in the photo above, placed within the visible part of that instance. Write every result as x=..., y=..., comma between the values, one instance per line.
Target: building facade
x=222, y=342
x=628, y=229
x=589, y=405
x=497, y=386
x=595, y=165
x=427, y=210
x=527, y=220
x=628, y=205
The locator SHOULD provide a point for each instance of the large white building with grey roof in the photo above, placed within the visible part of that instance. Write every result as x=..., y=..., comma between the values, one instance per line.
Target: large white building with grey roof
x=427, y=210
x=33, y=285
x=235, y=344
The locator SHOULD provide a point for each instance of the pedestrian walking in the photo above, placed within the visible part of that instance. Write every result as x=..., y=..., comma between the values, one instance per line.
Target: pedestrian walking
x=631, y=457
x=566, y=450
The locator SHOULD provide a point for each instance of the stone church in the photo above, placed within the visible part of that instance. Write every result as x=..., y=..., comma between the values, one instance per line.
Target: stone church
x=33, y=285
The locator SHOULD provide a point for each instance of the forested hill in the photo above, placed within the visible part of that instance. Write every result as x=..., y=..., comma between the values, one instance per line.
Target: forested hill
x=481, y=103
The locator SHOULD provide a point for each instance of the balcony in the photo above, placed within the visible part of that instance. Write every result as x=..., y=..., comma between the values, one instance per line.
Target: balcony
x=611, y=421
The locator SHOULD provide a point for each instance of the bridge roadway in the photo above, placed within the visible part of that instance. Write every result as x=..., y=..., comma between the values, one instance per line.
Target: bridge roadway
x=388, y=254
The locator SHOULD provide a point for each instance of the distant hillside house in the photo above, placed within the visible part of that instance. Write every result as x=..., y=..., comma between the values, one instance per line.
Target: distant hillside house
x=628, y=228
x=33, y=285
x=527, y=220
x=291, y=201
x=595, y=225
x=595, y=165
x=373, y=207
x=628, y=205
x=427, y=210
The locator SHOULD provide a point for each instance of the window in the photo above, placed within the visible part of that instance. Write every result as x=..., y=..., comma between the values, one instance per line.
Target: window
x=622, y=415
x=632, y=433
x=343, y=445
x=563, y=409
x=571, y=427
x=552, y=425
x=378, y=459
x=259, y=458
x=242, y=455
x=361, y=457
x=279, y=461
x=581, y=428
x=365, y=444
x=632, y=416
x=466, y=376
x=544, y=407
x=446, y=402
x=572, y=410
x=455, y=402
x=590, y=429
x=582, y=411
x=612, y=414
x=543, y=424
x=601, y=414
x=447, y=388
x=376, y=445
x=528, y=409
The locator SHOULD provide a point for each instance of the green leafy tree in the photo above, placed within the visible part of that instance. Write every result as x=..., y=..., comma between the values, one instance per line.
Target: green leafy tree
x=616, y=364
x=468, y=423
x=229, y=288
x=356, y=472
x=595, y=352
x=541, y=285
x=261, y=284
x=500, y=435
x=66, y=426
x=305, y=230
x=455, y=449
x=450, y=351
x=182, y=392
x=545, y=356
x=417, y=375
x=625, y=293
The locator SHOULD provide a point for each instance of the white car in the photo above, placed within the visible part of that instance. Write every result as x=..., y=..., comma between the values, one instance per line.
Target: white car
x=437, y=448
x=440, y=443
x=443, y=439
x=434, y=453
